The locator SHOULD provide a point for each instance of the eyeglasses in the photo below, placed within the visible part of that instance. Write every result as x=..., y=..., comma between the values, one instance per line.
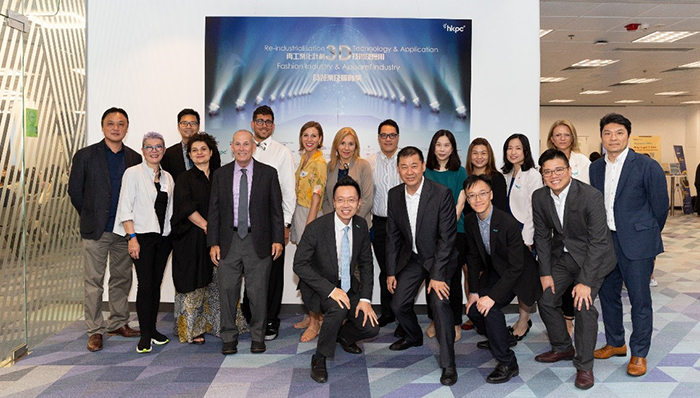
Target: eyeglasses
x=390, y=136
x=188, y=124
x=558, y=171
x=481, y=195
x=260, y=122
x=560, y=135
x=154, y=148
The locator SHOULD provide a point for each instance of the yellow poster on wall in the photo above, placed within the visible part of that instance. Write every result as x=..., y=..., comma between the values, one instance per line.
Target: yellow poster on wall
x=649, y=144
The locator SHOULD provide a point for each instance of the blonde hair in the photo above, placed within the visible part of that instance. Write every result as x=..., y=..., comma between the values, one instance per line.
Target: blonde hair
x=563, y=122
x=339, y=136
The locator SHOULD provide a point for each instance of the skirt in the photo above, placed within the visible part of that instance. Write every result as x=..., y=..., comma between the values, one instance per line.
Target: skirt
x=301, y=213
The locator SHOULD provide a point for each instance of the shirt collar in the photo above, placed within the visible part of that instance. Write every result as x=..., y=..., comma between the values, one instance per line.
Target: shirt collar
x=392, y=158
x=418, y=191
x=237, y=167
x=264, y=144
x=620, y=159
x=339, y=224
x=107, y=148
x=563, y=194
x=488, y=218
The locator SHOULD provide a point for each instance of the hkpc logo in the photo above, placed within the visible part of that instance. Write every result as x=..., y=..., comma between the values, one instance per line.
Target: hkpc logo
x=453, y=29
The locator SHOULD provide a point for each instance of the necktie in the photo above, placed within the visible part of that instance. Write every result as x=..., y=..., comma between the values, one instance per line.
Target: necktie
x=243, y=205
x=345, y=260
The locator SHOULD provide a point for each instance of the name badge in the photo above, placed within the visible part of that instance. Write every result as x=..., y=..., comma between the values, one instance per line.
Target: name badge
x=303, y=174
x=518, y=186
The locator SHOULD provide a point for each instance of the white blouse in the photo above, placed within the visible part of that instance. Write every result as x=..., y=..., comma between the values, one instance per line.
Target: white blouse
x=579, y=167
x=520, y=200
x=137, y=198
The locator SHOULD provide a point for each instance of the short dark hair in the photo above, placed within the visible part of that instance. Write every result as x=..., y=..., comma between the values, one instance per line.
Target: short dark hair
x=474, y=178
x=551, y=154
x=528, y=163
x=347, y=181
x=594, y=156
x=264, y=110
x=210, y=141
x=409, y=151
x=388, y=122
x=187, y=111
x=453, y=163
x=615, y=118
x=114, y=110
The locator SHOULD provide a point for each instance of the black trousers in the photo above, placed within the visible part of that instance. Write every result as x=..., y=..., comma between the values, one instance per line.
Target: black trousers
x=379, y=246
x=275, y=289
x=150, y=266
x=352, y=331
x=456, y=293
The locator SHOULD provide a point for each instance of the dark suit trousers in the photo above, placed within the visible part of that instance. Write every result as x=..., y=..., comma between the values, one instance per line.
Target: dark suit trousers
x=635, y=274
x=494, y=324
x=332, y=327
x=242, y=260
x=408, y=283
x=274, y=294
x=379, y=246
x=564, y=272
x=153, y=256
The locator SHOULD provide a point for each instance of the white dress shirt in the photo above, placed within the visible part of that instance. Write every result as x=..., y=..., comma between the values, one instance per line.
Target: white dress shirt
x=274, y=154
x=137, y=197
x=339, y=226
x=385, y=175
x=560, y=204
x=612, y=178
x=412, y=202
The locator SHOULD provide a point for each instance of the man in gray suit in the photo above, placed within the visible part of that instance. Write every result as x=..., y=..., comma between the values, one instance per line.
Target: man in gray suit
x=245, y=233
x=574, y=245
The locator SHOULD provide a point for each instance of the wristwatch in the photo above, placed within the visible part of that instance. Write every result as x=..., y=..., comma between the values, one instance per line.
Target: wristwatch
x=129, y=236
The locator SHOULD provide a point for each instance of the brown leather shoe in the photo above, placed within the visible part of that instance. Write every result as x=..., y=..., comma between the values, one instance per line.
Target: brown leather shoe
x=584, y=379
x=609, y=351
x=125, y=331
x=554, y=356
x=95, y=342
x=637, y=366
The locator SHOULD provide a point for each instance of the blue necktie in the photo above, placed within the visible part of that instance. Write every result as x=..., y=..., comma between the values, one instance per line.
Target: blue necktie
x=345, y=260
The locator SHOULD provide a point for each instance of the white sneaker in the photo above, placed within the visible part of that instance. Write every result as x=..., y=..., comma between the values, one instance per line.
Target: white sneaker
x=653, y=283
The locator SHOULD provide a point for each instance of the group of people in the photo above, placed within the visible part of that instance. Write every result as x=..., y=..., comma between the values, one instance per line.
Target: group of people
x=557, y=235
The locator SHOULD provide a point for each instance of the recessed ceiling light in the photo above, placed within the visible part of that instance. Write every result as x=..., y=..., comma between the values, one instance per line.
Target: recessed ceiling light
x=690, y=102
x=663, y=37
x=691, y=65
x=639, y=81
x=671, y=93
x=594, y=92
x=593, y=63
x=552, y=79
x=627, y=101
x=545, y=31
x=561, y=100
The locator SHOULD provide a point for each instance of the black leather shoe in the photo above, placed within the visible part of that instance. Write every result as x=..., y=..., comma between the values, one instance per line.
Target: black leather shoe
x=449, y=376
x=385, y=320
x=318, y=369
x=399, y=332
x=485, y=345
x=257, y=347
x=503, y=373
x=271, y=333
x=402, y=344
x=229, y=348
x=351, y=348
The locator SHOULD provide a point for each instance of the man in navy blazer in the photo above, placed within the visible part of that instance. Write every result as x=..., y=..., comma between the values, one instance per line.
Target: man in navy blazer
x=636, y=206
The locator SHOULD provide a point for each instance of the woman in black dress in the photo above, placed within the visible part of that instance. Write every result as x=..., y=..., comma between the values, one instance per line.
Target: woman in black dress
x=197, y=308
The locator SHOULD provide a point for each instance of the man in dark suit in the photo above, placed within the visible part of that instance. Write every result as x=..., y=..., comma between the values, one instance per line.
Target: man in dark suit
x=500, y=268
x=245, y=233
x=574, y=245
x=636, y=206
x=421, y=231
x=176, y=160
x=94, y=185
x=335, y=259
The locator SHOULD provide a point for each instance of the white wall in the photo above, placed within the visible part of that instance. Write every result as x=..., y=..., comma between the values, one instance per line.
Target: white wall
x=148, y=58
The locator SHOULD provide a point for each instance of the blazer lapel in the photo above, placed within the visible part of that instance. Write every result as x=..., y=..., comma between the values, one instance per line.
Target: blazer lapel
x=626, y=170
x=553, y=212
x=331, y=244
x=479, y=240
x=228, y=181
x=423, y=202
x=495, y=228
x=570, y=203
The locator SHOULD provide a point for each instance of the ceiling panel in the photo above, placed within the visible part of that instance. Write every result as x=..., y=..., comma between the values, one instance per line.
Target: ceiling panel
x=619, y=10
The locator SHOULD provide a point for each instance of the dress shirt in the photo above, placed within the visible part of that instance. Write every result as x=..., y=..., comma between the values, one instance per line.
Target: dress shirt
x=339, y=225
x=116, y=162
x=188, y=161
x=237, y=185
x=385, y=175
x=560, y=204
x=137, y=198
x=612, y=177
x=485, y=230
x=412, y=202
x=274, y=154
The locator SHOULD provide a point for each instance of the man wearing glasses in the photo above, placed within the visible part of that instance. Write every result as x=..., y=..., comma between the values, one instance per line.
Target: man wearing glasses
x=176, y=160
x=574, y=246
x=500, y=268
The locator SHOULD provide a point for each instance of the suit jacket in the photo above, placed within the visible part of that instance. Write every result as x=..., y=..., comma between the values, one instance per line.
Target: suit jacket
x=641, y=204
x=585, y=232
x=316, y=257
x=264, y=211
x=436, y=231
x=89, y=187
x=174, y=163
x=360, y=171
x=510, y=258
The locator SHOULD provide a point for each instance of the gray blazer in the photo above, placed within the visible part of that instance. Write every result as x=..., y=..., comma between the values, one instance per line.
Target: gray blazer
x=360, y=171
x=585, y=232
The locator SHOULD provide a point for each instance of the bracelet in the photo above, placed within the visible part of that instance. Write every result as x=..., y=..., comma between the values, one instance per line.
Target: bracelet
x=130, y=236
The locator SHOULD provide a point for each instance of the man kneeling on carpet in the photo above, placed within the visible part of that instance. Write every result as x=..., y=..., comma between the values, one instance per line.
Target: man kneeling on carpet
x=334, y=258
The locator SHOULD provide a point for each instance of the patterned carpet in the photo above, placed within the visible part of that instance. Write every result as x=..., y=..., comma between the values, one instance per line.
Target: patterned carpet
x=61, y=366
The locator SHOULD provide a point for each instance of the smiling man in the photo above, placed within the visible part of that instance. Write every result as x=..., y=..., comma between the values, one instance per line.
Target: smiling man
x=176, y=160
x=574, y=245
